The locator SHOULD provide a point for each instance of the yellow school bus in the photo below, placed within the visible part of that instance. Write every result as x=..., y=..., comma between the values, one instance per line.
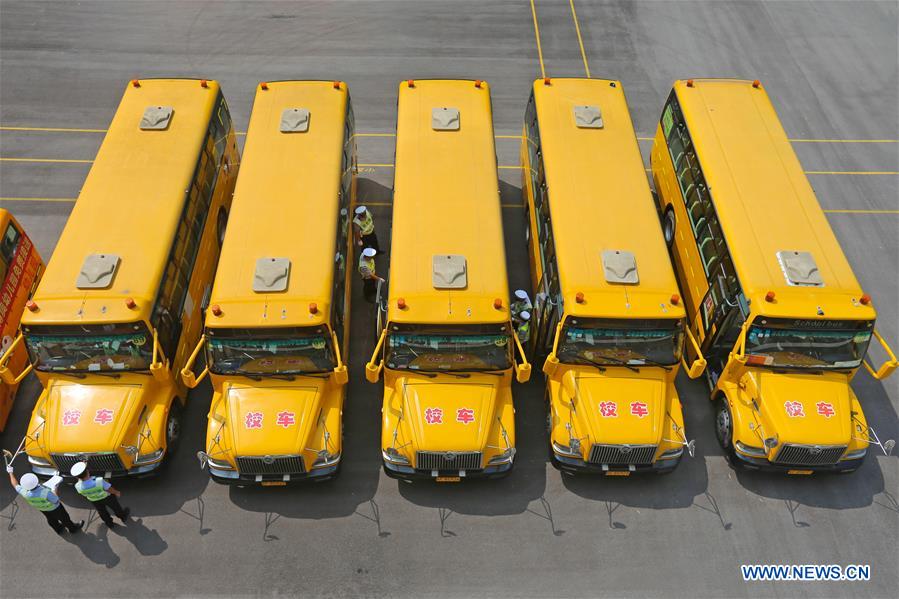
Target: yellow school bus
x=117, y=312
x=20, y=271
x=778, y=311
x=278, y=323
x=607, y=315
x=446, y=346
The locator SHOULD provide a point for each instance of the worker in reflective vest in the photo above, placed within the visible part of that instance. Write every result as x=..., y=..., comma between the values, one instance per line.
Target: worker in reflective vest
x=45, y=500
x=524, y=329
x=369, y=277
x=364, y=229
x=100, y=493
x=521, y=303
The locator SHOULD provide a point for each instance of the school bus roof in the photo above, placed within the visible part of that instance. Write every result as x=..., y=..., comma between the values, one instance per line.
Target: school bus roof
x=600, y=201
x=764, y=201
x=129, y=206
x=285, y=205
x=446, y=202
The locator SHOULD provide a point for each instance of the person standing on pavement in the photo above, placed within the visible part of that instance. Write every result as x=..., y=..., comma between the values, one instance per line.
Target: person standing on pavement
x=524, y=329
x=45, y=500
x=364, y=229
x=369, y=276
x=100, y=493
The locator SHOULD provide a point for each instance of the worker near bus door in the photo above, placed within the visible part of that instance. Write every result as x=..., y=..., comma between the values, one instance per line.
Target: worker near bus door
x=364, y=229
x=44, y=499
x=369, y=275
x=524, y=327
x=100, y=493
x=521, y=304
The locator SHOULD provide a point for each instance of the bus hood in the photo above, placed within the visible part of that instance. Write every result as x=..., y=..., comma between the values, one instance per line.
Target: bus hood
x=442, y=415
x=620, y=408
x=805, y=408
x=275, y=420
x=89, y=418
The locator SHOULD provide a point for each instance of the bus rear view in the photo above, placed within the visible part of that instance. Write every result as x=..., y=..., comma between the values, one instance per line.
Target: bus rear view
x=446, y=348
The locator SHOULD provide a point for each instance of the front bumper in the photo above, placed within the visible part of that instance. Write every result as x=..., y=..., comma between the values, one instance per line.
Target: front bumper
x=764, y=465
x=409, y=473
x=236, y=479
x=577, y=466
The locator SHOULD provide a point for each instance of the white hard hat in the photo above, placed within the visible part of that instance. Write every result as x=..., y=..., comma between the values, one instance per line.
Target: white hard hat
x=524, y=315
x=29, y=481
x=360, y=210
x=79, y=468
x=369, y=252
x=521, y=294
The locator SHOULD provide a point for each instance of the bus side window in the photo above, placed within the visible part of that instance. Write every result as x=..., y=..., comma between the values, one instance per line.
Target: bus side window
x=221, y=127
x=10, y=243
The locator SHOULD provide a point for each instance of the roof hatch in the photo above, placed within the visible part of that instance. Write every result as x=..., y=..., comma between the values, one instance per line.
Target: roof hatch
x=620, y=267
x=156, y=118
x=294, y=120
x=445, y=119
x=588, y=117
x=799, y=268
x=97, y=271
x=271, y=275
x=450, y=272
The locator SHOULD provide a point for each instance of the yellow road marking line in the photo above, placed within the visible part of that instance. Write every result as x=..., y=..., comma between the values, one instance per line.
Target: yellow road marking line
x=64, y=160
x=37, y=199
x=580, y=40
x=537, y=36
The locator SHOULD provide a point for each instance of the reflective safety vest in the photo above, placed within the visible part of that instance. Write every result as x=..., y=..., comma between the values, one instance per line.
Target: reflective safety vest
x=96, y=492
x=39, y=498
x=366, y=267
x=524, y=332
x=519, y=306
x=365, y=223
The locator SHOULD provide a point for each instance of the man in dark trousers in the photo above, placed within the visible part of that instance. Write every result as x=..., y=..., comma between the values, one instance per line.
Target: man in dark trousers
x=45, y=500
x=100, y=493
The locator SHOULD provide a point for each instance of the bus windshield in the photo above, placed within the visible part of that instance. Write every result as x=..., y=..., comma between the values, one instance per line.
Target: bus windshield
x=611, y=341
x=431, y=349
x=90, y=348
x=261, y=352
x=788, y=343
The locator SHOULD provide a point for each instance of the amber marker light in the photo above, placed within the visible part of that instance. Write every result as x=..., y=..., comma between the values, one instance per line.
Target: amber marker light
x=216, y=310
x=401, y=303
x=313, y=308
x=31, y=305
x=675, y=299
x=263, y=86
x=579, y=298
x=130, y=303
x=865, y=299
x=769, y=297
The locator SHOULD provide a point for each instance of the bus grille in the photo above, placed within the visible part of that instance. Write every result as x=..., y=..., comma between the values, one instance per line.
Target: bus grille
x=448, y=460
x=622, y=454
x=810, y=455
x=257, y=464
x=97, y=463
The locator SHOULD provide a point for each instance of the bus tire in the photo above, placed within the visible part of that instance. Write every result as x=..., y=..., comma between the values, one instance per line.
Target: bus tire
x=668, y=225
x=173, y=427
x=724, y=431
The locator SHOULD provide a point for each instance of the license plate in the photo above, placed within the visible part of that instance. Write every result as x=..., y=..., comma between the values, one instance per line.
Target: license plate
x=448, y=479
x=806, y=472
x=274, y=483
x=618, y=473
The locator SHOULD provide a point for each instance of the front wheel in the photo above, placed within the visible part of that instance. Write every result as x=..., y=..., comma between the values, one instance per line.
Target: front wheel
x=173, y=427
x=668, y=226
x=724, y=431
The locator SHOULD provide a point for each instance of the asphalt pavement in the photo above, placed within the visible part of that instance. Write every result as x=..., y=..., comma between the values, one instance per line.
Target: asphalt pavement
x=831, y=70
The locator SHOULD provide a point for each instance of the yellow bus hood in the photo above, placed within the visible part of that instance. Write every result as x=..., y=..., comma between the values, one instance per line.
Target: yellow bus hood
x=273, y=420
x=437, y=413
x=636, y=416
x=88, y=418
x=817, y=394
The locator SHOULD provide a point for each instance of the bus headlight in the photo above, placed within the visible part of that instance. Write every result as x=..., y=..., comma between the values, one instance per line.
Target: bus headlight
x=756, y=452
x=392, y=455
x=146, y=458
x=325, y=459
x=573, y=450
x=672, y=453
x=36, y=461
x=218, y=464
x=505, y=457
x=854, y=455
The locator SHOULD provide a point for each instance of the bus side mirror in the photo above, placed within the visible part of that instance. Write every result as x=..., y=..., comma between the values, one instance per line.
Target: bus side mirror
x=340, y=375
x=698, y=366
x=7, y=376
x=189, y=378
x=551, y=365
x=881, y=373
x=160, y=372
x=523, y=373
x=373, y=372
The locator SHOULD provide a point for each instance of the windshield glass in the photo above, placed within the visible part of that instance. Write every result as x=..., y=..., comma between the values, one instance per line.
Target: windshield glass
x=90, y=348
x=610, y=341
x=807, y=343
x=480, y=348
x=270, y=351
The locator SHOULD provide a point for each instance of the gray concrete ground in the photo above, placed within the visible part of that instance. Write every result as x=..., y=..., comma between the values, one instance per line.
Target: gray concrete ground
x=831, y=69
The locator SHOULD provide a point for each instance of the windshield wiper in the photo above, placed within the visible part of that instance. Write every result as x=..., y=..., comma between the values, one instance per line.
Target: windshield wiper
x=76, y=374
x=665, y=367
x=494, y=371
x=584, y=360
x=622, y=362
x=112, y=375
